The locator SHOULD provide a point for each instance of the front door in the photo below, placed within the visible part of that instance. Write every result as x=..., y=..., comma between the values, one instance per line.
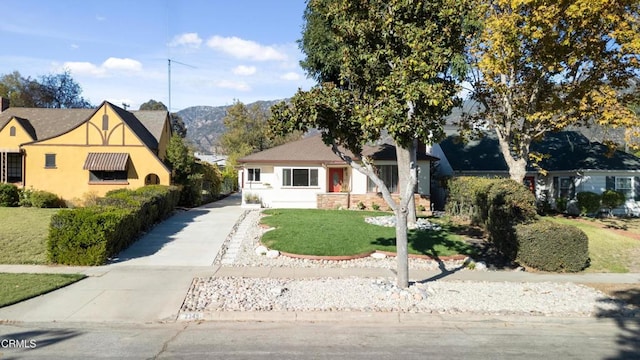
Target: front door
x=336, y=177
x=530, y=183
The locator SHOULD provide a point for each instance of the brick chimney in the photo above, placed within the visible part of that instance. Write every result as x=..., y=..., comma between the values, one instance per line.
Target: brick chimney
x=4, y=104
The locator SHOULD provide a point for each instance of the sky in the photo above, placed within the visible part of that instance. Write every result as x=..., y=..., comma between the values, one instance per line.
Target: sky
x=118, y=50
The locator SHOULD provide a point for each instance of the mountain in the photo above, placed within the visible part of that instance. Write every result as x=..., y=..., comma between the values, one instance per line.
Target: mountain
x=205, y=123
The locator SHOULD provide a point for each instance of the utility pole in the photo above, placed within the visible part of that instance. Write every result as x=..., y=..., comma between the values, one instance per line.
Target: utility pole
x=169, y=71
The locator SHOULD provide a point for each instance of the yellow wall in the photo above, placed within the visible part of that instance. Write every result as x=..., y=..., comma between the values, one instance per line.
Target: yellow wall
x=13, y=142
x=68, y=179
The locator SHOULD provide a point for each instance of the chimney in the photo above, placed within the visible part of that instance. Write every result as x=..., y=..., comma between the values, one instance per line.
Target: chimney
x=4, y=104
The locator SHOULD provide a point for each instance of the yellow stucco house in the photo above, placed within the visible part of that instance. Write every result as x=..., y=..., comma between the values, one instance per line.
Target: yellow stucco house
x=74, y=152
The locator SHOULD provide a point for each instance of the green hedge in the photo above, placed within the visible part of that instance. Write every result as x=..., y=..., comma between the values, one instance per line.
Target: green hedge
x=548, y=246
x=466, y=196
x=9, y=195
x=91, y=235
x=588, y=202
x=508, y=204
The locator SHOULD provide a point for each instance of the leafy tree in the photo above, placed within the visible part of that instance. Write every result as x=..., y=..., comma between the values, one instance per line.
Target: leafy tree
x=546, y=64
x=247, y=132
x=385, y=65
x=177, y=124
x=180, y=159
x=61, y=91
x=52, y=91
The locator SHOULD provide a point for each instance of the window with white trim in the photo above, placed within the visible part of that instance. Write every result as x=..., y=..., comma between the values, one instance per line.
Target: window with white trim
x=299, y=177
x=253, y=174
x=389, y=175
x=624, y=185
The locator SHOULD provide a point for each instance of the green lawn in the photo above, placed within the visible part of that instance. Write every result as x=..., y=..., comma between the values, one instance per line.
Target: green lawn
x=344, y=232
x=23, y=235
x=18, y=287
x=609, y=251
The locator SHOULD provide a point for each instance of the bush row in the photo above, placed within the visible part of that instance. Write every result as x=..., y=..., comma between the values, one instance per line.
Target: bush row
x=507, y=210
x=91, y=235
x=10, y=195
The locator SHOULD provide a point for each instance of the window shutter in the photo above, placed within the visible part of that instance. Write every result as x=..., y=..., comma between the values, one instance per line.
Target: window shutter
x=572, y=189
x=556, y=187
x=611, y=183
x=636, y=187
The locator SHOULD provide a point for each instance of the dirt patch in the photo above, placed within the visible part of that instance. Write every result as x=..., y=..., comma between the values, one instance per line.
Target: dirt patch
x=629, y=293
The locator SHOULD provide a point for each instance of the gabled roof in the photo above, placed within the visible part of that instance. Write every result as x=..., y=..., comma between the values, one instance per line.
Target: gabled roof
x=314, y=150
x=567, y=150
x=46, y=123
x=43, y=123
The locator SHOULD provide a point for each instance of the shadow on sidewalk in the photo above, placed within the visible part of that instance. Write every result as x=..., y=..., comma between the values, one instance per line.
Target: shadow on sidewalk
x=165, y=232
x=627, y=318
x=33, y=340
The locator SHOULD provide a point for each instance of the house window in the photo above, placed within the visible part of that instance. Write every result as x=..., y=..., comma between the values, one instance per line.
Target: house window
x=105, y=176
x=253, y=174
x=389, y=175
x=299, y=177
x=566, y=183
x=12, y=131
x=14, y=167
x=625, y=186
x=50, y=161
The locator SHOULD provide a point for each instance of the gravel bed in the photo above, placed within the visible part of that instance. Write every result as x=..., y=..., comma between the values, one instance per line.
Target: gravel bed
x=213, y=294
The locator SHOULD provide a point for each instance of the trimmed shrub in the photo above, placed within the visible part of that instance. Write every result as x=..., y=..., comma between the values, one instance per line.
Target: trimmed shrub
x=9, y=195
x=611, y=199
x=45, y=199
x=91, y=235
x=466, y=196
x=588, y=202
x=509, y=203
x=548, y=246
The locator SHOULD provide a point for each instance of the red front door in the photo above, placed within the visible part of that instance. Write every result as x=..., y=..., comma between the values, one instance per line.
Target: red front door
x=530, y=183
x=336, y=177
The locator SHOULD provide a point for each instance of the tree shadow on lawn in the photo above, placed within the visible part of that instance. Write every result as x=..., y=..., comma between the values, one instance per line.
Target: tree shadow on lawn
x=425, y=243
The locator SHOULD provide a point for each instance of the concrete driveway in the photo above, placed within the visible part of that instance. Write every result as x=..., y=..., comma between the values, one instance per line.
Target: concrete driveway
x=148, y=281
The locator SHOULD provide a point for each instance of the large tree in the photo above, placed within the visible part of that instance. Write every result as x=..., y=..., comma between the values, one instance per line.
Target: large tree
x=543, y=65
x=51, y=91
x=384, y=66
x=247, y=131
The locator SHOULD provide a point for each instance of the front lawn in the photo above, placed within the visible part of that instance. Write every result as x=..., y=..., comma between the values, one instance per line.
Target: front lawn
x=344, y=232
x=609, y=251
x=23, y=235
x=18, y=287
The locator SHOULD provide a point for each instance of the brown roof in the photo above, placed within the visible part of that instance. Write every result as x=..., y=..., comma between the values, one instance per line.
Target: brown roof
x=46, y=123
x=314, y=150
x=106, y=161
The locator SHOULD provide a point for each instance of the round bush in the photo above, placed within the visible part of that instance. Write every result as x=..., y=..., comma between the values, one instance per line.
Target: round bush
x=547, y=246
x=588, y=202
x=44, y=199
x=611, y=199
x=9, y=195
x=508, y=203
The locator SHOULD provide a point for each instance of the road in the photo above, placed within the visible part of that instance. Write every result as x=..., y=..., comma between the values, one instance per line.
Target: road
x=434, y=337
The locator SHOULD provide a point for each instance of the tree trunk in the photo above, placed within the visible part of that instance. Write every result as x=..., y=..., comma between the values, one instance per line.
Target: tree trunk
x=517, y=166
x=404, y=180
x=407, y=157
x=402, y=251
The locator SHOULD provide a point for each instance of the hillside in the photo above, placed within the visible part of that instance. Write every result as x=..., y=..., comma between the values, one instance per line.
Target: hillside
x=205, y=123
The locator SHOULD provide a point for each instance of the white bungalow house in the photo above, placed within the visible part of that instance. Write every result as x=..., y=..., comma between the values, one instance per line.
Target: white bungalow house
x=307, y=174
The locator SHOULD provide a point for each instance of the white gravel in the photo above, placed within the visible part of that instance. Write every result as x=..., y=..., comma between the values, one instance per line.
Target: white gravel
x=381, y=295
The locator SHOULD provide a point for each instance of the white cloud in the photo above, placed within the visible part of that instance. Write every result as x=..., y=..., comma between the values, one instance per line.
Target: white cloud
x=244, y=70
x=291, y=76
x=122, y=64
x=75, y=46
x=100, y=18
x=245, y=49
x=235, y=85
x=111, y=64
x=191, y=40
